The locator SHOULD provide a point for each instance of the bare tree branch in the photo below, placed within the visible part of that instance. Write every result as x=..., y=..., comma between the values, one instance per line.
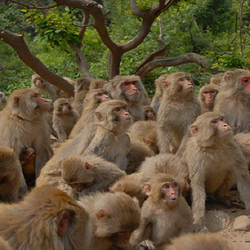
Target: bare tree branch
x=32, y=6
x=173, y=61
x=18, y=44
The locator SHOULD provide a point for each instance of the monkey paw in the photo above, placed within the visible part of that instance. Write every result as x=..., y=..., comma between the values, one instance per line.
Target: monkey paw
x=146, y=245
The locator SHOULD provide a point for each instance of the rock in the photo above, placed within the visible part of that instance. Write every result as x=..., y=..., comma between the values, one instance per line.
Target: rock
x=216, y=220
x=241, y=223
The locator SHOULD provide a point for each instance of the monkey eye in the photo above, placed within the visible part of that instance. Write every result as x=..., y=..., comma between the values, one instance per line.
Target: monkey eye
x=165, y=186
x=181, y=79
x=126, y=83
x=214, y=121
x=175, y=184
x=205, y=92
x=36, y=95
x=99, y=94
x=117, y=109
x=222, y=118
x=134, y=82
x=212, y=92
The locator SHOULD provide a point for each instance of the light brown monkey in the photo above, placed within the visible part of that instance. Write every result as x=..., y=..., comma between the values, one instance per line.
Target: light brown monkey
x=47, y=218
x=130, y=89
x=207, y=97
x=4, y=245
x=23, y=125
x=156, y=101
x=217, y=79
x=131, y=186
x=233, y=100
x=215, y=162
x=97, y=83
x=200, y=241
x=11, y=177
x=149, y=113
x=3, y=99
x=64, y=118
x=81, y=90
x=164, y=215
x=93, y=99
x=37, y=82
x=88, y=174
x=113, y=217
x=145, y=131
x=178, y=109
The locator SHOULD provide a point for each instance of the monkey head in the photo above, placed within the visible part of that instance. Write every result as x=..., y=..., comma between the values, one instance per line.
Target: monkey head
x=97, y=83
x=62, y=106
x=96, y=96
x=149, y=113
x=37, y=81
x=208, y=93
x=82, y=84
x=3, y=99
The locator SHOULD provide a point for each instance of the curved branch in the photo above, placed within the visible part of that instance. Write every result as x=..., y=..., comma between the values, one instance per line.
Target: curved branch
x=173, y=61
x=19, y=45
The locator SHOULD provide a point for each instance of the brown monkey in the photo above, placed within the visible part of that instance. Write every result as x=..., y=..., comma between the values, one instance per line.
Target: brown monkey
x=178, y=109
x=145, y=131
x=64, y=118
x=113, y=217
x=130, y=89
x=233, y=100
x=164, y=215
x=97, y=83
x=47, y=218
x=200, y=241
x=131, y=186
x=4, y=245
x=10, y=175
x=88, y=174
x=149, y=113
x=215, y=162
x=156, y=101
x=93, y=99
x=217, y=79
x=3, y=99
x=81, y=90
x=23, y=125
x=207, y=97
x=37, y=82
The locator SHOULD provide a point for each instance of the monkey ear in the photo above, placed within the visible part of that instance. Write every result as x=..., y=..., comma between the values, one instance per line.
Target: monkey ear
x=165, y=84
x=99, y=115
x=147, y=141
x=63, y=219
x=100, y=214
x=228, y=76
x=147, y=188
x=87, y=165
x=194, y=129
x=16, y=101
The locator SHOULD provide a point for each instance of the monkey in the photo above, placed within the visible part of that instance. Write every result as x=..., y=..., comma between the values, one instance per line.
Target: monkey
x=207, y=97
x=130, y=89
x=234, y=96
x=97, y=84
x=37, y=82
x=113, y=217
x=215, y=163
x=3, y=100
x=131, y=186
x=156, y=100
x=47, y=218
x=149, y=113
x=164, y=215
x=64, y=118
x=23, y=125
x=88, y=174
x=146, y=132
x=217, y=79
x=93, y=99
x=200, y=241
x=11, y=177
x=81, y=88
x=179, y=108
x=4, y=245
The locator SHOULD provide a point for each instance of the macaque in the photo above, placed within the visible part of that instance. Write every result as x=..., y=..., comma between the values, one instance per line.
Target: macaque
x=88, y=174
x=131, y=186
x=149, y=113
x=200, y=241
x=37, y=82
x=47, y=218
x=97, y=83
x=81, y=90
x=64, y=118
x=233, y=100
x=3, y=99
x=156, y=101
x=207, y=97
x=130, y=89
x=217, y=79
x=10, y=176
x=164, y=215
x=23, y=125
x=145, y=131
x=93, y=99
x=215, y=163
x=178, y=109
x=113, y=217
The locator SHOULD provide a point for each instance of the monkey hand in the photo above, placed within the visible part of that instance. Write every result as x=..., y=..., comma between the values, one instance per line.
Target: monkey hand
x=146, y=245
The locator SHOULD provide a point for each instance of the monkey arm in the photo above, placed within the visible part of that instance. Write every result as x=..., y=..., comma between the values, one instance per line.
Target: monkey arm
x=163, y=140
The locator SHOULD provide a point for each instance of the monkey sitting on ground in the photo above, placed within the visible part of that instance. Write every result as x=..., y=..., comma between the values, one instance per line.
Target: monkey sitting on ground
x=164, y=215
x=47, y=218
x=215, y=163
x=113, y=217
x=64, y=118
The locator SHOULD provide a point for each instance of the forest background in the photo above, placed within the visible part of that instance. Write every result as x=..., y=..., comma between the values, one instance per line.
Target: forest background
x=66, y=40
